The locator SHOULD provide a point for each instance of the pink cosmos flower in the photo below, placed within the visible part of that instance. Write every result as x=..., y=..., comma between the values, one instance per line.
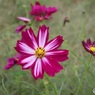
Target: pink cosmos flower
x=39, y=54
x=21, y=27
x=12, y=61
x=42, y=12
x=89, y=46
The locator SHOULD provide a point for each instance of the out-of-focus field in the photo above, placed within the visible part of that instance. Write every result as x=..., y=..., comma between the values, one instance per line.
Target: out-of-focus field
x=81, y=14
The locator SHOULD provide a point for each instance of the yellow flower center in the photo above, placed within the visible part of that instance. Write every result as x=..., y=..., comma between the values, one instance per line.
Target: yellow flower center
x=92, y=49
x=40, y=52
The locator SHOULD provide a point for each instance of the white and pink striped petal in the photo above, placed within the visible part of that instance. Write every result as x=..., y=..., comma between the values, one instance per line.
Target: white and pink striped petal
x=50, y=66
x=54, y=44
x=24, y=48
x=29, y=60
x=24, y=19
x=37, y=70
x=43, y=36
x=58, y=55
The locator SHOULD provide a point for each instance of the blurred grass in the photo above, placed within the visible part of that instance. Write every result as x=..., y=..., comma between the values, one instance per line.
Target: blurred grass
x=81, y=26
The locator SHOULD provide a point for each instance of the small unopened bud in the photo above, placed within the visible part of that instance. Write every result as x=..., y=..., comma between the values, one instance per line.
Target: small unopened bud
x=66, y=19
x=83, y=11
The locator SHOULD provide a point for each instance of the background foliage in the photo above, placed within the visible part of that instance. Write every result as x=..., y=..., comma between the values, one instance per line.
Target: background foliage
x=81, y=14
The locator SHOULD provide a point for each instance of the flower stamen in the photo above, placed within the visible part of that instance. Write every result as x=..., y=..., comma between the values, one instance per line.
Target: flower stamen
x=40, y=52
x=92, y=48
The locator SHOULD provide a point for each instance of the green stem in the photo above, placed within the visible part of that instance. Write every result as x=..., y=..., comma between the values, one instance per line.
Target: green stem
x=3, y=85
x=33, y=87
x=53, y=86
x=47, y=91
x=75, y=55
x=83, y=35
x=26, y=11
x=19, y=89
x=85, y=73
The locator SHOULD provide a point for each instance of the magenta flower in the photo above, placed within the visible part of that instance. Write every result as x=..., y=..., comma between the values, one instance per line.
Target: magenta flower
x=42, y=12
x=21, y=27
x=89, y=46
x=39, y=54
x=12, y=61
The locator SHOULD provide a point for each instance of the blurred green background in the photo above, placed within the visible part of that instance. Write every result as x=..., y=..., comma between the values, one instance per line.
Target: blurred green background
x=81, y=15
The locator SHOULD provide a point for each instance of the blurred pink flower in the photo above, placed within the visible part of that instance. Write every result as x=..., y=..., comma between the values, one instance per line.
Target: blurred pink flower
x=12, y=61
x=41, y=12
x=21, y=27
x=89, y=46
x=39, y=54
